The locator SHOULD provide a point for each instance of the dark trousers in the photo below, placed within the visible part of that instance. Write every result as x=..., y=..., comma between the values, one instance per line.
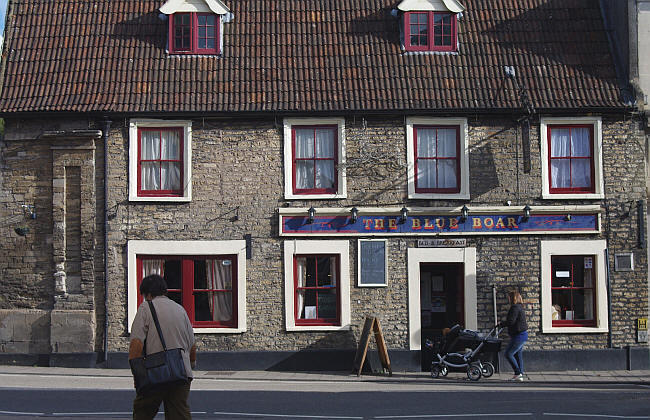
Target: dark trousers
x=175, y=400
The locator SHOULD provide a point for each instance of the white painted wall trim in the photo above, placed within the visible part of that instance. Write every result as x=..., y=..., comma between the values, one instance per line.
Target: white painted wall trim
x=464, y=158
x=288, y=158
x=237, y=247
x=599, y=182
x=134, y=124
x=293, y=247
x=466, y=256
x=594, y=247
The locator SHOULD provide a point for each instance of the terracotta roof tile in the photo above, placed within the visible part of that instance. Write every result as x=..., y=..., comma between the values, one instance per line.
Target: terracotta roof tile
x=304, y=56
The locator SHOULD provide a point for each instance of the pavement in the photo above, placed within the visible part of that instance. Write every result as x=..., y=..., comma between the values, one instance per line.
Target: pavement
x=74, y=378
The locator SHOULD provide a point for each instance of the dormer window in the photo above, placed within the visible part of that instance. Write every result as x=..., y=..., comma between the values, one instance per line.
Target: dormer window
x=430, y=25
x=430, y=31
x=195, y=26
x=194, y=33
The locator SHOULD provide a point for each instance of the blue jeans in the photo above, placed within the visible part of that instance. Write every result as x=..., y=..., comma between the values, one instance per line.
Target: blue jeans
x=514, y=352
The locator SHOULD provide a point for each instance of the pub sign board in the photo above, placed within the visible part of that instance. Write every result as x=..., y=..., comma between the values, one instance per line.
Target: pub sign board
x=484, y=224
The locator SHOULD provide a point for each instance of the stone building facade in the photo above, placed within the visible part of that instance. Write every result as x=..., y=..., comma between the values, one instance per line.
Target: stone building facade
x=70, y=279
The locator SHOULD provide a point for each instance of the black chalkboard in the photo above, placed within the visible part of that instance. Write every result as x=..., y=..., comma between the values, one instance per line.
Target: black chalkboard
x=372, y=263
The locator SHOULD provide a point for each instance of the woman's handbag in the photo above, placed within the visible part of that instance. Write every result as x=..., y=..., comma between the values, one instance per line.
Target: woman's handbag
x=157, y=371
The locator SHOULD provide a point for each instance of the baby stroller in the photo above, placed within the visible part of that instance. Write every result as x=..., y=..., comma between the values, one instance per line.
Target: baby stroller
x=446, y=357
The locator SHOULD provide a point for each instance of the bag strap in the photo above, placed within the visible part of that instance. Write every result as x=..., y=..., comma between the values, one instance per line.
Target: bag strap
x=155, y=320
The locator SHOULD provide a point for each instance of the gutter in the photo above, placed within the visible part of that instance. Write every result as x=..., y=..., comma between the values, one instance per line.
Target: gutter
x=106, y=123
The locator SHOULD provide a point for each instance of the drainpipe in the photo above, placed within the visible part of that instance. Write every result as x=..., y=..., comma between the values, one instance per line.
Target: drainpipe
x=105, y=132
x=609, y=299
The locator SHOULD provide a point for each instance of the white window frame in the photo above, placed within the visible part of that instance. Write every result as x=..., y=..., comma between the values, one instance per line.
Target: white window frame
x=599, y=185
x=288, y=158
x=464, y=157
x=385, y=283
x=591, y=247
x=136, y=124
x=194, y=248
x=295, y=247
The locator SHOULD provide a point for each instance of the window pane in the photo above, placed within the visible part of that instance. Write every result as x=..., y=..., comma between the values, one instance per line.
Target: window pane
x=150, y=175
x=426, y=176
x=446, y=142
x=211, y=43
x=560, y=142
x=170, y=176
x=200, y=275
x=324, y=143
x=201, y=19
x=304, y=143
x=580, y=142
x=210, y=32
x=304, y=174
x=447, y=173
x=324, y=271
x=560, y=173
x=176, y=297
x=173, y=274
x=306, y=304
x=311, y=272
x=210, y=20
x=212, y=306
x=149, y=145
x=562, y=301
x=170, y=145
x=324, y=174
x=202, y=33
x=580, y=173
x=426, y=142
x=562, y=271
x=327, y=304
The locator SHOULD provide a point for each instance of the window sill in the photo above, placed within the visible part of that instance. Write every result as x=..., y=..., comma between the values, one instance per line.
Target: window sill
x=574, y=330
x=438, y=196
x=589, y=196
x=161, y=199
x=218, y=330
x=315, y=196
x=319, y=328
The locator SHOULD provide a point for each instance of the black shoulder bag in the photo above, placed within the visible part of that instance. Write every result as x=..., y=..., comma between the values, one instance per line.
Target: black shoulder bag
x=157, y=371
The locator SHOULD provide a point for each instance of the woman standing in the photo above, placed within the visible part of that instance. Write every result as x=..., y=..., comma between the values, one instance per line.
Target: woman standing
x=518, y=332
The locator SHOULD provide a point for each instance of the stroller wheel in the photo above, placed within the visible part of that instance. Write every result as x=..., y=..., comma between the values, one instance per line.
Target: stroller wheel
x=435, y=370
x=474, y=372
x=487, y=369
x=444, y=370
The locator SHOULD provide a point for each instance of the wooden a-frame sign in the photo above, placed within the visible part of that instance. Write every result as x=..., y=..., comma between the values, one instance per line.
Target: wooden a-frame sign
x=372, y=323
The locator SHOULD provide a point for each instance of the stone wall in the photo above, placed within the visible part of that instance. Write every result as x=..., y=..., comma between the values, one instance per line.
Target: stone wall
x=238, y=171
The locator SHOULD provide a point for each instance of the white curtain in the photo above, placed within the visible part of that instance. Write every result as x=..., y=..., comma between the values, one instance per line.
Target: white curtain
x=150, y=150
x=219, y=276
x=426, y=147
x=304, y=148
x=152, y=267
x=325, y=149
x=580, y=147
x=333, y=271
x=170, y=172
x=301, y=274
x=447, y=167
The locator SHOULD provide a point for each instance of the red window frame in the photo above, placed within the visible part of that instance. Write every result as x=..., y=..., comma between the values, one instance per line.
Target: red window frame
x=161, y=193
x=416, y=159
x=572, y=190
x=335, y=159
x=187, y=285
x=431, y=25
x=317, y=321
x=571, y=288
x=193, y=48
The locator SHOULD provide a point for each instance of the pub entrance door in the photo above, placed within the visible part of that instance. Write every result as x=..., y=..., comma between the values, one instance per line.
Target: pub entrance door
x=442, y=302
